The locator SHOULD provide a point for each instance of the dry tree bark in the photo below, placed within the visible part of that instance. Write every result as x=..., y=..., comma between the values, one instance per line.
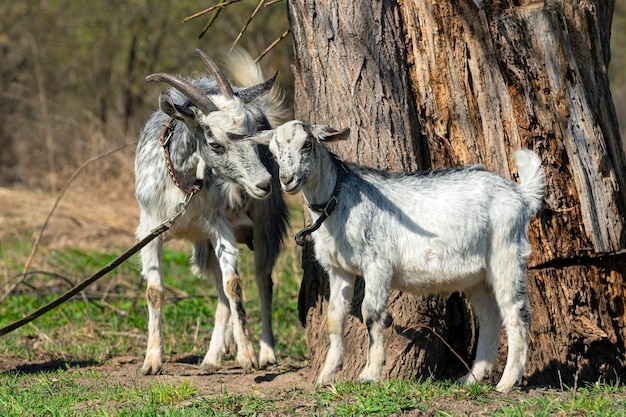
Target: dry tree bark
x=453, y=82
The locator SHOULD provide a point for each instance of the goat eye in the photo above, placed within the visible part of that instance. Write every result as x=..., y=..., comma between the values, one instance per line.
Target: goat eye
x=307, y=147
x=234, y=136
x=217, y=148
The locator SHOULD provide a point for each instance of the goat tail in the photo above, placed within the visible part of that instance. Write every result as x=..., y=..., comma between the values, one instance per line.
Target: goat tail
x=246, y=73
x=532, y=178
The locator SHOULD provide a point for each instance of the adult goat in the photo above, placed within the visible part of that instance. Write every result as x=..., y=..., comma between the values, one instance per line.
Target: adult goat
x=441, y=231
x=195, y=125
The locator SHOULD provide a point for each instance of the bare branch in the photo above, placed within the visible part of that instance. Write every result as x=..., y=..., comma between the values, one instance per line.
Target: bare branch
x=258, y=7
x=221, y=4
x=213, y=17
x=272, y=45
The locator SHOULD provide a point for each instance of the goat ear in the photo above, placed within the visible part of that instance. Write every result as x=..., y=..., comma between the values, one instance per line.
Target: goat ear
x=189, y=116
x=262, y=137
x=328, y=134
x=252, y=93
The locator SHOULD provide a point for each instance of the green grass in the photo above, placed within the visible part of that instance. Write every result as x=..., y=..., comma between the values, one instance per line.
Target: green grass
x=79, y=393
x=110, y=318
x=600, y=399
x=76, y=393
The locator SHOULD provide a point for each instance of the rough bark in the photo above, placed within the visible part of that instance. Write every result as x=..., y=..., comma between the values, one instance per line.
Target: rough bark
x=347, y=73
x=446, y=83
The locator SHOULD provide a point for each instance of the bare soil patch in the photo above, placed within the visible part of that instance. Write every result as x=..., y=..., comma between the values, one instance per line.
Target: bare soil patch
x=82, y=219
x=126, y=370
x=291, y=385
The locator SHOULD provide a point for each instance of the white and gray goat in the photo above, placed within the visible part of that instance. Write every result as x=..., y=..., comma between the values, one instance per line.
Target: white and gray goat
x=440, y=231
x=196, y=123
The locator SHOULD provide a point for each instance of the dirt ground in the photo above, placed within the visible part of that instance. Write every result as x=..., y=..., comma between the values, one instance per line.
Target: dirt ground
x=291, y=386
x=126, y=370
x=81, y=219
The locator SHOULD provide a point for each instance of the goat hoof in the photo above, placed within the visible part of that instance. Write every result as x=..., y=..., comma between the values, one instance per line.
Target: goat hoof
x=365, y=378
x=324, y=380
x=246, y=356
x=248, y=363
x=504, y=389
x=247, y=366
x=264, y=363
x=212, y=361
x=151, y=369
x=152, y=364
x=468, y=379
x=267, y=357
x=505, y=386
x=209, y=367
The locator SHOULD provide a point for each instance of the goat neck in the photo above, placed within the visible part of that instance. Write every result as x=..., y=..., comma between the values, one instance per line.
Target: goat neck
x=324, y=210
x=325, y=181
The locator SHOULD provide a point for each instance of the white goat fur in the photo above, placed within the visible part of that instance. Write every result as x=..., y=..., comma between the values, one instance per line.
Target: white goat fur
x=440, y=231
x=220, y=215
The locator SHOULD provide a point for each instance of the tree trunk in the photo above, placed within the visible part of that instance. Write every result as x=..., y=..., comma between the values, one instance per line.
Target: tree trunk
x=355, y=77
x=447, y=83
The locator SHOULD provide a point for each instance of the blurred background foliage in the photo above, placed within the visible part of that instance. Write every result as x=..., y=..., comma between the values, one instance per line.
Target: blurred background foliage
x=72, y=76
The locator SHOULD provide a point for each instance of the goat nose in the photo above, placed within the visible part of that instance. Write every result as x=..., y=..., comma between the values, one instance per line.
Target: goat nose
x=265, y=185
x=286, y=177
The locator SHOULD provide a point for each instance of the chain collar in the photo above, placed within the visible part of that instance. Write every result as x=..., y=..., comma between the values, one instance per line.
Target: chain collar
x=325, y=209
x=164, y=138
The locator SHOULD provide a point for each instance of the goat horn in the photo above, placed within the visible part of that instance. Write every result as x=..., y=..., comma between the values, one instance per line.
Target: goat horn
x=225, y=88
x=251, y=93
x=197, y=97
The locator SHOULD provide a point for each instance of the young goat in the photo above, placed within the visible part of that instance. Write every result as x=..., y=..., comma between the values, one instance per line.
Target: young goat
x=440, y=231
x=195, y=124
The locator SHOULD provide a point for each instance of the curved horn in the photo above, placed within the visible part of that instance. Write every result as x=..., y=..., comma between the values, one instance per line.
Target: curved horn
x=251, y=93
x=225, y=88
x=197, y=97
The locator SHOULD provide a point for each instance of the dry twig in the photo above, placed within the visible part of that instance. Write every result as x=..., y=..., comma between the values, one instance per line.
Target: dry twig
x=56, y=203
x=272, y=45
x=430, y=329
x=216, y=13
x=258, y=7
x=221, y=4
x=216, y=9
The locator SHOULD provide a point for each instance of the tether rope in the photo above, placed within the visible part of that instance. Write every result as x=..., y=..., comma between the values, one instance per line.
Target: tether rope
x=156, y=232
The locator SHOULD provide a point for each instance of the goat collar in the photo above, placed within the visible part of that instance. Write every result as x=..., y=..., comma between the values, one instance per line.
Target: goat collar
x=164, y=138
x=325, y=209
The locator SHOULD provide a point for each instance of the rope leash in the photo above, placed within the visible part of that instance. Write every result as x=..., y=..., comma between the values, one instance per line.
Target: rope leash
x=156, y=232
